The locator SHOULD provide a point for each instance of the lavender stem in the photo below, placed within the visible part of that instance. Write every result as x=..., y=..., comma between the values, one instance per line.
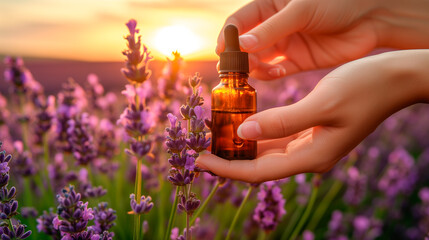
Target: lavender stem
x=172, y=214
x=234, y=220
x=307, y=212
x=201, y=209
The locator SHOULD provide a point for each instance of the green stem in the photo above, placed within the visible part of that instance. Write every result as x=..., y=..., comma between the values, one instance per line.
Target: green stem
x=138, y=194
x=262, y=235
x=291, y=224
x=161, y=197
x=24, y=125
x=172, y=215
x=324, y=204
x=329, y=197
x=186, y=192
x=11, y=226
x=234, y=220
x=307, y=212
x=188, y=233
x=201, y=209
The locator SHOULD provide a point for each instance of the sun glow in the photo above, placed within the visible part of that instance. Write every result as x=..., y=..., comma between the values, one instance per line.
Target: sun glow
x=177, y=38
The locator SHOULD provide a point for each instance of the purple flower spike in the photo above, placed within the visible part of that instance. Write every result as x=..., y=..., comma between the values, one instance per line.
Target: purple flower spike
x=178, y=179
x=270, y=208
x=356, y=186
x=400, y=174
x=132, y=24
x=178, y=161
x=188, y=205
x=104, y=218
x=140, y=148
x=144, y=206
x=8, y=204
x=73, y=215
x=137, y=60
x=45, y=224
x=81, y=140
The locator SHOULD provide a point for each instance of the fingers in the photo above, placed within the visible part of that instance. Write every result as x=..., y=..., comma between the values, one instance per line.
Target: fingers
x=288, y=20
x=242, y=20
x=267, y=71
x=283, y=121
x=312, y=152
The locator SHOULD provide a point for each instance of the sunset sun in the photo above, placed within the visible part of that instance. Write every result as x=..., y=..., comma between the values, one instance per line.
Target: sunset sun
x=177, y=38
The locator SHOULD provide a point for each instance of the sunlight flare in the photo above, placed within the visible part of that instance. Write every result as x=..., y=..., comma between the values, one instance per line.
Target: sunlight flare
x=177, y=38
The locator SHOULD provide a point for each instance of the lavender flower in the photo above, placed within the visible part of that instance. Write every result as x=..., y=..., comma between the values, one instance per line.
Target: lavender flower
x=8, y=204
x=144, y=206
x=81, y=140
x=104, y=236
x=178, y=178
x=45, y=224
x=4, y=112
x=70, y=103
x=307, y=235
x=137, y=62
x=29, y=212
x=137, y=122
x=366, y=228
x=104, y=218
x=44, y=116
x=176, y=141
x=188, y=204
x=73, y=216
x=270, y=208
x=58, y=173
x=21, y=78
x=356, y=186
x=171, y=79
x=303, y=189
x=400, y=174
x=336, y=226
x=89, y=191
x=94, y=90
x=17, y=233
x=24, y=164
x=226, y=190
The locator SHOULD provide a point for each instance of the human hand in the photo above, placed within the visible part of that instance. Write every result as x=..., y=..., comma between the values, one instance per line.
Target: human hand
x=314, y=34
x=313, y=134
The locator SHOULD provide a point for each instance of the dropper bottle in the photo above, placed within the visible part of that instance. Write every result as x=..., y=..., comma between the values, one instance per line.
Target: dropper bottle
x=233, y=100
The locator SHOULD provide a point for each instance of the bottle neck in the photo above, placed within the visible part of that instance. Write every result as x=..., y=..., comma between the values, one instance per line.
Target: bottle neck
x=233, y=78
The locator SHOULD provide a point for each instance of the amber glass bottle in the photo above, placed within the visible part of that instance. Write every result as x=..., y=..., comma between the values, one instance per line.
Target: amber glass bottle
x=233, y=100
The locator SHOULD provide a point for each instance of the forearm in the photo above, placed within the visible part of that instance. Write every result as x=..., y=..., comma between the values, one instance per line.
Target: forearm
x=409, y=72
x=401, y=24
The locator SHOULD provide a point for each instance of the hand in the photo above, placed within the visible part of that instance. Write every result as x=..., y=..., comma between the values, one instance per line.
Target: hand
x=313, y=134
x=314, y=34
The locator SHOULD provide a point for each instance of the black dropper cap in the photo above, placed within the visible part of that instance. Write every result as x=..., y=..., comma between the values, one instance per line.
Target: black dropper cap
x=233, y=59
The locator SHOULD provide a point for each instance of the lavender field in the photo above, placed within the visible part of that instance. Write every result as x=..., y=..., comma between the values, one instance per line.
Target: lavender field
x=106, y=150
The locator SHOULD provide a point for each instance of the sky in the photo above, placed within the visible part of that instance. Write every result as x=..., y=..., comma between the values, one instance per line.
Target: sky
x=93, y=30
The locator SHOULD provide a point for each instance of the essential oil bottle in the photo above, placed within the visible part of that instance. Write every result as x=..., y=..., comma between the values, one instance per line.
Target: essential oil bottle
x=233, y=100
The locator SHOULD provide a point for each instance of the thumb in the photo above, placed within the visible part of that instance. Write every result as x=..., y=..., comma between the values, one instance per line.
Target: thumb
x=282, y=121
x=290, y=19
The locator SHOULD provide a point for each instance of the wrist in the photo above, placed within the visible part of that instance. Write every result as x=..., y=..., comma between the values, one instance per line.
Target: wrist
x=408, y=74
x=400, y=24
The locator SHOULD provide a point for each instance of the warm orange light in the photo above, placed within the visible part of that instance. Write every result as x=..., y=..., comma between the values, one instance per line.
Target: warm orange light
x=177, y=38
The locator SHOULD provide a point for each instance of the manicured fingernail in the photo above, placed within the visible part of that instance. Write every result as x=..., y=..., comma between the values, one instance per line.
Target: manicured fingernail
x=277, y=71
x=248, y=41
x=249, y=130
x=200, y=165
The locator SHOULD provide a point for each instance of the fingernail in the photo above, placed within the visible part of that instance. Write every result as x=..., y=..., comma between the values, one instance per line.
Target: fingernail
x=248, y=41
x=249, y=130
x=277, y=71
x=200, y=165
